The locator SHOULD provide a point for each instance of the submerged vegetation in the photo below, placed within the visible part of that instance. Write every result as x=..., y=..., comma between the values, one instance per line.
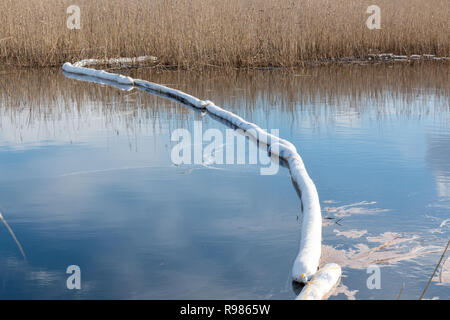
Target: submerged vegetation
x=234, y=33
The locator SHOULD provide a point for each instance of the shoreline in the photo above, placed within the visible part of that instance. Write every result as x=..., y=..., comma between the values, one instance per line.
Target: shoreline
x=370, y=59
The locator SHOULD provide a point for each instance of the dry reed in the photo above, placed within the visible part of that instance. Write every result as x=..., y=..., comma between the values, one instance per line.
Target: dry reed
x=233, y=33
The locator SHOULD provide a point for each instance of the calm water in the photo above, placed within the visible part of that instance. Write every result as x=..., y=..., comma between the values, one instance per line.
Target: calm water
x=86, y=179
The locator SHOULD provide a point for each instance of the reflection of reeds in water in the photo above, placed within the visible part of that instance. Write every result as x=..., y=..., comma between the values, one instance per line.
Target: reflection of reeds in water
x=214, y=32
x=39, y=99
x=47, y=105
x=11, y=232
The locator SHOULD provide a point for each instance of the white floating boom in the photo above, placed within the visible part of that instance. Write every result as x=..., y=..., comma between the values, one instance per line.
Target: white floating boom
x=318, y=283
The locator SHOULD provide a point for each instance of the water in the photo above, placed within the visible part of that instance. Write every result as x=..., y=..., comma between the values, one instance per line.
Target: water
x=87, y=179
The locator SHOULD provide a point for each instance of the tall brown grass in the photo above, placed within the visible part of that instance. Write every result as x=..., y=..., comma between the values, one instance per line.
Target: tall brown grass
x=232, y=33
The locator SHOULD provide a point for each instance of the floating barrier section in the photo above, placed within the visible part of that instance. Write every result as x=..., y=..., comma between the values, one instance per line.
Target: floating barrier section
x=318, y=282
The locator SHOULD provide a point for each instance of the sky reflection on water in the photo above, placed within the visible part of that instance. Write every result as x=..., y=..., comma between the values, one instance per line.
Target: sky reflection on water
x=86, y=179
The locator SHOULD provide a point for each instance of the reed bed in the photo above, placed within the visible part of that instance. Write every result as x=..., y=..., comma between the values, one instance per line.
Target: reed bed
x=233, y=33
